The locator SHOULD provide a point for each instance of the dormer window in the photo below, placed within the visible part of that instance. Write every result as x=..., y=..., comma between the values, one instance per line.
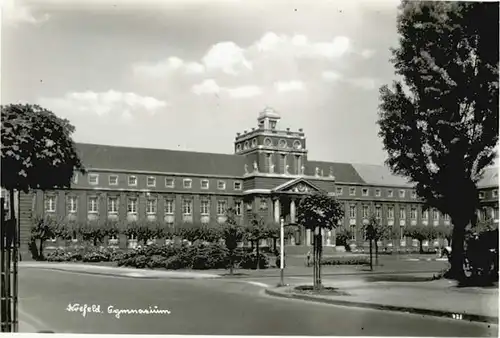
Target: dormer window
x=272, y=124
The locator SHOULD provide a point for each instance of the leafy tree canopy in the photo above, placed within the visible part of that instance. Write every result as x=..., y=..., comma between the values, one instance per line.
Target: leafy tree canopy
x=440, y=125
x=37, y=149
x=319, y=210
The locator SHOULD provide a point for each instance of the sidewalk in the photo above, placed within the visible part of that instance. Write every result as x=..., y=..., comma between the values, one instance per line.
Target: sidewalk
x=116, y=271
x=436, y=298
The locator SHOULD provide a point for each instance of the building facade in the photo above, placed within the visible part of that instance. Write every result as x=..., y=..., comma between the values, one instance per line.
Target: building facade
x=267, y=175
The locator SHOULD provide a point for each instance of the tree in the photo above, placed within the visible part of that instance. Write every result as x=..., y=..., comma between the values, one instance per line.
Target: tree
x=255, y=232
x=232, y=234
x=93, y=232
x=37, y=150
x=420, y=233
x=342, y=238
x=41, y=230
x=440, y=127
x=376, y=231
x=318, y=212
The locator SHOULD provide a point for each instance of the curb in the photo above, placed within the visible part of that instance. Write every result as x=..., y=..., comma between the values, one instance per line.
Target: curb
x=363, y=273
x=133, y=275
x=419, y=311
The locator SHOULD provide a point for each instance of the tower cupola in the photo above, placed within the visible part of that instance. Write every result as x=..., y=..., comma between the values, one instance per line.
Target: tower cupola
x=268, y=119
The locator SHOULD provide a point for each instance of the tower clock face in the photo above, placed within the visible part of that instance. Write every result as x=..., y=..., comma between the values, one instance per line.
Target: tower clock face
x=297, y=145
x=282, y=144
x=268, y=142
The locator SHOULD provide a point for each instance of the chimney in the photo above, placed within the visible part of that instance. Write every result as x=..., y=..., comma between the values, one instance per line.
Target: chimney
x=301, y=130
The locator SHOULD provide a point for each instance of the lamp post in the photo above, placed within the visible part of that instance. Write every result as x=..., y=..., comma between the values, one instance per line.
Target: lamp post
x=282, y=251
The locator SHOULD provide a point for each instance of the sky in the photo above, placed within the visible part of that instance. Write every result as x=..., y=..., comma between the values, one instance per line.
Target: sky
x=190, y=74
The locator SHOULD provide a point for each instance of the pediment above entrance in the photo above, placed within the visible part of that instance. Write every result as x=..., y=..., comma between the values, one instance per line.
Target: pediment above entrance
x=299, y=185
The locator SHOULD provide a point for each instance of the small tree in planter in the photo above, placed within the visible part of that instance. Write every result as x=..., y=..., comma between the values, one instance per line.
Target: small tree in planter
x=42, y=229
x=317, y=212
x=92, y=232
x=131, y=230
x=111, y=229
x=64, y=231
x=420, y=233
x=342, y=238
x=255, y=232
x=146, y=231
x=232, y=234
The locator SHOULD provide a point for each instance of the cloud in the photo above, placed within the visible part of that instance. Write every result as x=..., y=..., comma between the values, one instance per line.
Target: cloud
x=287, y=86
x=164, y=67
x=210, y=86
x=363, y=83
x=331, y=76
x=367, y=53
x=244, y=92
x=206, y=87
x=15, y=12
x=227, y=57
x=103, y=104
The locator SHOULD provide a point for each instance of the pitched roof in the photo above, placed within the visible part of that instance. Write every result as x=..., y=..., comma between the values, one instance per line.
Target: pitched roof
x=490, y=177
x=380, y=175
x=343, y=172
x=160, y=160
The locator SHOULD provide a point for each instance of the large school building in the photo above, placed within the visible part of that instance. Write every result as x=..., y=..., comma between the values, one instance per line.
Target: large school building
x=267, y=175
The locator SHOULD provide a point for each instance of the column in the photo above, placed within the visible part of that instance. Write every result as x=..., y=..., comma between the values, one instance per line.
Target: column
x=277, y=210
x=292, y=210
x=308, y=237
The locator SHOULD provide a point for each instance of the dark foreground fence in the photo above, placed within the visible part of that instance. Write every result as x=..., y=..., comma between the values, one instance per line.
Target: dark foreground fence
x=8, y=272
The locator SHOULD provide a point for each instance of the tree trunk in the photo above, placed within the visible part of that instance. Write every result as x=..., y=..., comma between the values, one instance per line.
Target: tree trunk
x=257, y=249
x=421, y=244
x=371, y=256
x=314, y=262
x=231, y=262
x=376, y=253
x=457, y=251
x=40, y=250
x=320, y=254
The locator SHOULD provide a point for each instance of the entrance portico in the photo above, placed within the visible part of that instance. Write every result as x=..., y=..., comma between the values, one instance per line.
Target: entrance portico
x=286, y=198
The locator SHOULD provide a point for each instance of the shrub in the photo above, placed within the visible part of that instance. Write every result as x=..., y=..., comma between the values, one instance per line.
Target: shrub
x=249, y=261
x=174, y=263
x=360, y=260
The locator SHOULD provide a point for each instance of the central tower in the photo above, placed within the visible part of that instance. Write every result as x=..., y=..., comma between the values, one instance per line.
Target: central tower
x=270, y=150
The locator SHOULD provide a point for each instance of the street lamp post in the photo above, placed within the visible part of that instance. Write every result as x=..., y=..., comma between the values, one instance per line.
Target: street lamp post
x=282, y=252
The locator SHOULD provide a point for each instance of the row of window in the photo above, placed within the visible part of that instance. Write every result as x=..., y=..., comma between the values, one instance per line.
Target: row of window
x=494, y=194
x=390, y=213
x=187, y=183
x=132, y=205
x=378, y=192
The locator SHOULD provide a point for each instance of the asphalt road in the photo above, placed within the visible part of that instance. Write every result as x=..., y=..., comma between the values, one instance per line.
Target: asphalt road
x=207, y=307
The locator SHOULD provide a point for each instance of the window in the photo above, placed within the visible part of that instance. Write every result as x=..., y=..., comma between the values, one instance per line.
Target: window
x=93, y=179
x=495, y=213
x=390, y=193
x=169, y=182
x=151, y=181
x=169, y=206
x=481, y=194
x=237, y=185
x=425, y=214
x=413, y=213
x=93, y=205
x=237, y=208
x=187, y=206
x=352, y=191
x=446, y=217
x=221, y=207
x=435, y=215
x=221, y=185
x=132, y=206
x=365, y=191
x=365, y=211
x=353, y=232
x=187, y=183
x=238, y=148
x=204, y=184
x=339, y=191
x=112, y=205
x=402, y=213
x=113, y=179
x=378, y=193
x=352, y=211
x=151, y=206
x=378, y=211
x=414, y=194
x=494, y=193
x=75, y=178
x=246, y=145
x=205, y=207
x=273, y=124
x=132, y=180
x=263, y=204
x=50, y=204
x=72, y=204
x=390, y=212
x=254, y=143
x=402, y=193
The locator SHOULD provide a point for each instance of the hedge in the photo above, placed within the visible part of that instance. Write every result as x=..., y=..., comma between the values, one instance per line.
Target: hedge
x=359, y=260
